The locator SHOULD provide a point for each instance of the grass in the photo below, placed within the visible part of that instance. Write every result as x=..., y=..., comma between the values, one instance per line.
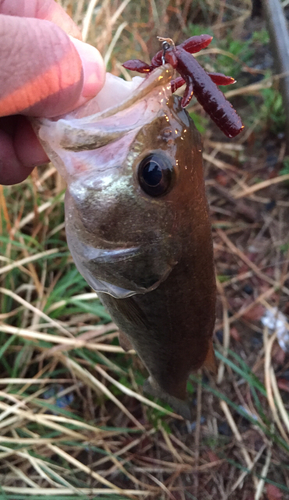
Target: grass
x=74, y=422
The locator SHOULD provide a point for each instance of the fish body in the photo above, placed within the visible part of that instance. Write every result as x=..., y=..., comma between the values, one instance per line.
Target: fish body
x=138, y=226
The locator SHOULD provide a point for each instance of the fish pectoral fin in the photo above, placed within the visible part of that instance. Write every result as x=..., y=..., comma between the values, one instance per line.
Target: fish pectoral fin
x=124, y=342
x=180, y=406
x=210, y=362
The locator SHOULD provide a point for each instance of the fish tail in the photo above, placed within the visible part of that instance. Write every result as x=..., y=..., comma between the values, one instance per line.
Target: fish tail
x=210, y=362
x=178, y=405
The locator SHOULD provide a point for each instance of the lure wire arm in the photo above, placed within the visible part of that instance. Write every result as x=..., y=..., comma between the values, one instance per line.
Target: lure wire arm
x=166, y=47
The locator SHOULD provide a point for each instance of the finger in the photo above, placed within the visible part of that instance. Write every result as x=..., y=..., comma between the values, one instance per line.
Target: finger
x=41, y=9
x=26, y=145
x=20, y=150
x=42, y=72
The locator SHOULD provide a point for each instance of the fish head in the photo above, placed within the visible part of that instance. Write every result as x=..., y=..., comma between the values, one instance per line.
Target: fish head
x=129, y=170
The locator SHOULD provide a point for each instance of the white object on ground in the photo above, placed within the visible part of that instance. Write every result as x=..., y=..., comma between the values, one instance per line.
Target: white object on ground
x=276, y=321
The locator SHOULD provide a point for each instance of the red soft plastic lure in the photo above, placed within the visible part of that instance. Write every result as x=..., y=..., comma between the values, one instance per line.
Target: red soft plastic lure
x=198, y=82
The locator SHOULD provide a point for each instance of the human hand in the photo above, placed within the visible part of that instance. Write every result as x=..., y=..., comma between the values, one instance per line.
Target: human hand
x=44, y=73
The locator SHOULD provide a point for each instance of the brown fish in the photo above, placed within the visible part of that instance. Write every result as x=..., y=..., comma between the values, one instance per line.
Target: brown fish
x=138, y=226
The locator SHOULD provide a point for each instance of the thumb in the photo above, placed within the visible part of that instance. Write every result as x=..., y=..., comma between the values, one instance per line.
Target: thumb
x=46, y=73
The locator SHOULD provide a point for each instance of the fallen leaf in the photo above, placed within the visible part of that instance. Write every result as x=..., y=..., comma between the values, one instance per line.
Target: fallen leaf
x=235, y=334
x=255, y=313
x=283, y=384
x=273, y=493
x=222, y=179
x=212, y=456
x=278, y=355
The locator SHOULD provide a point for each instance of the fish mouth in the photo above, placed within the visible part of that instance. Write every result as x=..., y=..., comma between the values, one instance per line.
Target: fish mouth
x=104, y=120
x=141, y=87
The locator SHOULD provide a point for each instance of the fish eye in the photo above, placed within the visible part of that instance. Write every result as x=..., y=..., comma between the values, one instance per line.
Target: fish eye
x=155, y=174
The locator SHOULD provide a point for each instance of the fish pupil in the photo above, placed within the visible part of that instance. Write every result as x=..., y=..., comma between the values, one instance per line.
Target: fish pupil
x=155, y=174
x=152, y=173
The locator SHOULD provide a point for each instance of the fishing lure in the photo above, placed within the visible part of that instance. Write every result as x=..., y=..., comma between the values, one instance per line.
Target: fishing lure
x=198, y=82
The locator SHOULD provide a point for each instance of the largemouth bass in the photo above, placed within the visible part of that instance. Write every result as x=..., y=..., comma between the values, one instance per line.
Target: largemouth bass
x=137, y=223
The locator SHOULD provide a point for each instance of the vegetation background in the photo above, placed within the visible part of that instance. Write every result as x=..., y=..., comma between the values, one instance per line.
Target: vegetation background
x=74, y=422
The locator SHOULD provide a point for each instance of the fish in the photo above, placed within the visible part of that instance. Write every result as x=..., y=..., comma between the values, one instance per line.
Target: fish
x=138, y=225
